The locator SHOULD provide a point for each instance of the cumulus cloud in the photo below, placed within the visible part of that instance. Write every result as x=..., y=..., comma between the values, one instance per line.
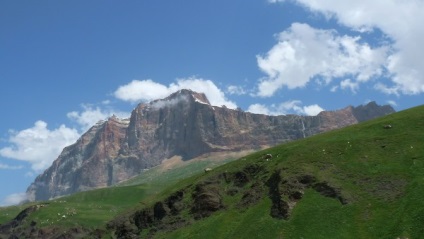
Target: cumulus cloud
x=91, y=115
x=287, y=107
x=400, y=21
x=312, y=109
x=141, y=90
x=349, y=84
x=304, y=53
x=39, y=145
x=147, y=90
x=236, y=90
x=259, y=109
x=14, y=199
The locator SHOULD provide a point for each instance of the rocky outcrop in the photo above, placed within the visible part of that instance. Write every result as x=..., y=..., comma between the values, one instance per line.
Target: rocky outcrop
x=239, y=189
x=207, y=199
x=370, y=111
x=183, y=124
x=286, y=192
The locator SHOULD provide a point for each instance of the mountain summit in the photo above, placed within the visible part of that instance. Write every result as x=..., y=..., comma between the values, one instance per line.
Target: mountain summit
x=183, y=124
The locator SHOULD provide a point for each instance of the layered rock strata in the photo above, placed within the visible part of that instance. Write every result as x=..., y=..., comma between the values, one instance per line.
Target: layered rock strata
x=184, y=124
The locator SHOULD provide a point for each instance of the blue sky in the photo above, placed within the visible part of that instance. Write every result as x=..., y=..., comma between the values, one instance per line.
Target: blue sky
x=64, y=65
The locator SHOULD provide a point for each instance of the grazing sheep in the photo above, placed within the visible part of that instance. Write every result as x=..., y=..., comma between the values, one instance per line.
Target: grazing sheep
x=268, y=157
x=208, y=170
x=387, y=126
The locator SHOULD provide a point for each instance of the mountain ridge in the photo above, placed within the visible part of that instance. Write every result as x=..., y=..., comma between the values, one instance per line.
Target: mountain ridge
x=183, y=124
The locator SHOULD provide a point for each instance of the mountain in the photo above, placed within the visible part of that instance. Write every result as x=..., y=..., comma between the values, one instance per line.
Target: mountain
x=362, y=181
x=184, y=124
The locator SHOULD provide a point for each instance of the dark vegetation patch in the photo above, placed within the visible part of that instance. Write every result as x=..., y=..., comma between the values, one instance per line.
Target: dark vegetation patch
x=385, y=188
x=163, y=215
x=286, y=192
x=251, y=196
x=206, y=200
x=328, y=191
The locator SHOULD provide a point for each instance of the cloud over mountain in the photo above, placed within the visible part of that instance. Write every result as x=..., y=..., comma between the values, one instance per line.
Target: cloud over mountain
x=90, y=115
x=146, y=90
x=286, y=108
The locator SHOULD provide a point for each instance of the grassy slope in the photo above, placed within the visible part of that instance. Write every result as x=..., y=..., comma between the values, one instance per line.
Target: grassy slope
x=380, y=171
x=95, y=208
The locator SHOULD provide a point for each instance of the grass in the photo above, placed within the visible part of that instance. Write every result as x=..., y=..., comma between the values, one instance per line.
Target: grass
x=95, y=208
x=7, y=213
x=188, y=169
x=89, y=209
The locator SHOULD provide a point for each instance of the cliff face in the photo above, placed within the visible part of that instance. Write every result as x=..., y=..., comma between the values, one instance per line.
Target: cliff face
x=183, y=124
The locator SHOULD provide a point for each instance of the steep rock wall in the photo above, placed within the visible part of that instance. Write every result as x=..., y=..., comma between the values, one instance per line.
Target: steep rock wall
x=183, y=124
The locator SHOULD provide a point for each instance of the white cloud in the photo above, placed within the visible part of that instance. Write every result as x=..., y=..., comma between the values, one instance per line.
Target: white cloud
x=91, y=115
x=88, y=117
x=259, y=109
x=169, y=103
x=147, y=90
x=38, y=145
x=349, y=84
x=236, y=90
x=390, y=90
x=14, y=199
x=144, y=90
x=303, y=53
x=392, y=103
x=6, y=166
x=334, y=88
x=312, y=109
x=401, y=21
x=288, y=107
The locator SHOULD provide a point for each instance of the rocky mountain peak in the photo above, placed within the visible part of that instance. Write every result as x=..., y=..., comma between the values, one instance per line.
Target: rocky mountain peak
x=198, y=97
x=179, y=98
x=371, y=111
x=182, y=124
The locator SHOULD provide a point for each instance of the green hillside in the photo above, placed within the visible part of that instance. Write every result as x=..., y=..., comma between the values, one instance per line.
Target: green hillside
x=363, y=181
x=93, y=209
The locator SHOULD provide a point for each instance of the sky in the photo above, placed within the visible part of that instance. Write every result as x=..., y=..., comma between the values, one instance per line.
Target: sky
x=64, y=65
